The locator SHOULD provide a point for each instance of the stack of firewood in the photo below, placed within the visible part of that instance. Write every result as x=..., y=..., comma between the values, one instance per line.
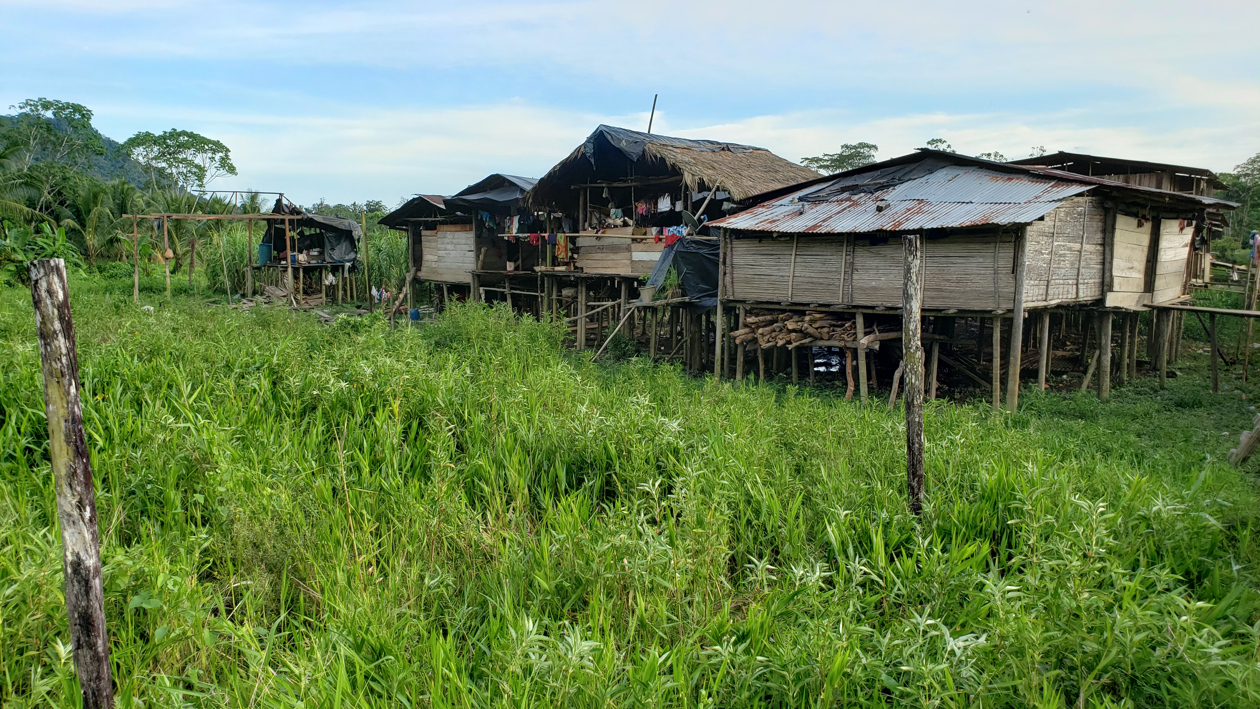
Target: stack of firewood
x=792, y=329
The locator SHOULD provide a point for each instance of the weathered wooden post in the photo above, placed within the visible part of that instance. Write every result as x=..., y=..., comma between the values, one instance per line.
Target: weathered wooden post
x=1104, y=361
x=912, y=354
x=166, y=255
x=861, y=356
x=1017, y=332
x=996, y=364
x=1043, y=350
x=72, y=475
x=1213, y=354
x=135, y=252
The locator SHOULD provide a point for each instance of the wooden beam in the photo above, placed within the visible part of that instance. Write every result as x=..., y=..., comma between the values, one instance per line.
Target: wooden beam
x=72, y=476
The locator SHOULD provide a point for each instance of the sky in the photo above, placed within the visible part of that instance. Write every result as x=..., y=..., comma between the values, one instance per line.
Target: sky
x=383, y=100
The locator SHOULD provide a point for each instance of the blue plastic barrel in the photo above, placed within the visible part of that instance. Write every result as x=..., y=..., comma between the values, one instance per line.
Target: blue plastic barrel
x=415, y=315
x=264, y=254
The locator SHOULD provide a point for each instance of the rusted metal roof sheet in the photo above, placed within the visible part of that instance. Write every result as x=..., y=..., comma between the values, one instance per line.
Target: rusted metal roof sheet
x=950, y=197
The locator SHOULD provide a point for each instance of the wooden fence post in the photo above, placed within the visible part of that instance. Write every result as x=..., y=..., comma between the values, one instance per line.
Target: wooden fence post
x=912, y=360
x=861, y=355
x=72, y=474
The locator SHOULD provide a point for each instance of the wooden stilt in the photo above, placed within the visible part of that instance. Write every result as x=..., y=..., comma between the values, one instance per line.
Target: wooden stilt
x=655, y=315
x=761, y=364
x=1133, y=346
x=996, y=365
x=934, y=367
x=1160, y=336
x=1104, y=362
x=581, y=323
x=848, y=373
x=861, y=357
x=1043, y=350
x=795, y=355
x=1015, y=367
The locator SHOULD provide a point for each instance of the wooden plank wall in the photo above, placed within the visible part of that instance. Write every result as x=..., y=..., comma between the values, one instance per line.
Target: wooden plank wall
x=1132, y=249
x=1064, y=253
x=617, y=255
x=447, y=256
x=1174, y=250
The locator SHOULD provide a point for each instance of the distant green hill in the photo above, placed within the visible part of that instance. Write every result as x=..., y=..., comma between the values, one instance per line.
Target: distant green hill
x=108, y=167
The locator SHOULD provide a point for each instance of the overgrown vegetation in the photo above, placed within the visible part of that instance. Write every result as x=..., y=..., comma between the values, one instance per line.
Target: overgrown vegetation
x=464, y=514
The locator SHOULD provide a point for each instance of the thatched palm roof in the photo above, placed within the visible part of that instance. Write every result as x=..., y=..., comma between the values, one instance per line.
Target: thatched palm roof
x=613, y=154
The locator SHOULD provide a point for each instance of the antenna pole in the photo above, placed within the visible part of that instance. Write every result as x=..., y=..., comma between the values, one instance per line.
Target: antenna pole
x=653, y=114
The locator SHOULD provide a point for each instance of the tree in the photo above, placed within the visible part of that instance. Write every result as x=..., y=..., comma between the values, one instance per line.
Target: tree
x=51, y=143
x=994, y=155
x=55, y=131
x=1243, y=186
x=1037, y=151
x=940, y=144
x=180, y=158
x=850, y=156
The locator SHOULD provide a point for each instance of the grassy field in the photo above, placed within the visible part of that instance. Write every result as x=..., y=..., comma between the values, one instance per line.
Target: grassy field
x=464, y=514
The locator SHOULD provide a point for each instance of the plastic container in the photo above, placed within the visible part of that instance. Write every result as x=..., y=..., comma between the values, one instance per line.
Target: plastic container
x=415, y=315
x=264, y=254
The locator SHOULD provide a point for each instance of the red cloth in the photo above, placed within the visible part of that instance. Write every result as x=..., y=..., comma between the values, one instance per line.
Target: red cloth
x=533, y=239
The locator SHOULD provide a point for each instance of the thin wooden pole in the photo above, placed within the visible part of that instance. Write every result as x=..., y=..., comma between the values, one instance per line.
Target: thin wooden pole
x=848, y=373
x=654, y=328
x=1124, y=349
x=1017, y=331
x=1216, y=381
x=912, y=360
x=1104, y=362
x=581, y=323
x=740, y=349
x=718, y=348
x=227, y=285
x=996, y=368
x=72, y=475
x=367, y=270
x=249, y=258
x=1043, y=350
x=288, y=244
x=796, y=377
x=135, y=252
x=934, y=367
x=166, y=253
x=861, y=357
x=1133, y=346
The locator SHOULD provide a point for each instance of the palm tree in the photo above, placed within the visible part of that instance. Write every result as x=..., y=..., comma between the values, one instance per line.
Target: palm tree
x=91, y=217
x=14, y=192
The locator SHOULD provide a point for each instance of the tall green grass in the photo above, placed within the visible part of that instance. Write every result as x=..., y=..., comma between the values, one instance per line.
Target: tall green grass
x=466, y=515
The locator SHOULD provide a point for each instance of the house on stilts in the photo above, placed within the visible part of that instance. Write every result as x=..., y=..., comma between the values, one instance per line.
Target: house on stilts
x=615, y=203
x=815, y=270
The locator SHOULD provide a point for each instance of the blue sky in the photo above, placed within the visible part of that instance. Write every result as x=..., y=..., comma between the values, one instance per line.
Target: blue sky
x=380, y=100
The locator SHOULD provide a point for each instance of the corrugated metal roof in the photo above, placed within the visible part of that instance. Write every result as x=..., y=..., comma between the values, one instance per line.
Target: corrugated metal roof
x=951, y=196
